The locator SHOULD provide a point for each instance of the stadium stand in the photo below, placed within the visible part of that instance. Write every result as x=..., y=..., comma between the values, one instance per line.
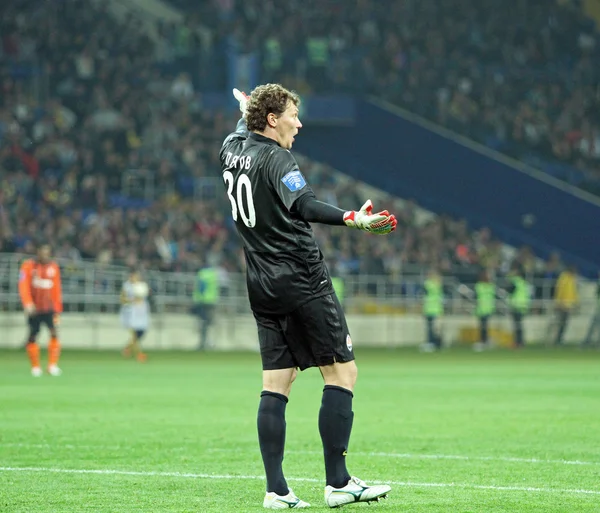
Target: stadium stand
x=119, y=161
x=523, y=81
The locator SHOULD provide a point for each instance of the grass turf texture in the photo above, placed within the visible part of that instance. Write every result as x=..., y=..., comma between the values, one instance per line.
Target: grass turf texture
x=455, y=432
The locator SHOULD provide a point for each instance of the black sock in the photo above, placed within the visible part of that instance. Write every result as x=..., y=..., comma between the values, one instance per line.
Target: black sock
x=335, y=426
x=271, y=437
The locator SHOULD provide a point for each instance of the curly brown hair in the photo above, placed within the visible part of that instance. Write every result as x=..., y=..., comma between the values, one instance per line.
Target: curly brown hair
x=267, y=99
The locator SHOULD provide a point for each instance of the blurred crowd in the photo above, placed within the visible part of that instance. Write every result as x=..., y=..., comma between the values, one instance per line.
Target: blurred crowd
x=107, y=150
x=64, y=161
x=523, y=80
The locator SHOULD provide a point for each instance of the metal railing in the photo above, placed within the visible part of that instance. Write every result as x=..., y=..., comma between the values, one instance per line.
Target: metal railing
x=95, y=288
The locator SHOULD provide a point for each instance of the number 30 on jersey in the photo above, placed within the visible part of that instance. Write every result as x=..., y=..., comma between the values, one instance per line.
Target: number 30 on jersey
x=242, y=187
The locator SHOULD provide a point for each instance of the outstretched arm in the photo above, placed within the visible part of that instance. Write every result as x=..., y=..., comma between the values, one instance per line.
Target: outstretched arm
x=315, y=211
x=25, y=287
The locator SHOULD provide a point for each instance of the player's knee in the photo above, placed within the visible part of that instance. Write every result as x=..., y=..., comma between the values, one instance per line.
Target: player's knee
x=340, y=374
x=279, y=381
x=350, y=374
x=354, y=373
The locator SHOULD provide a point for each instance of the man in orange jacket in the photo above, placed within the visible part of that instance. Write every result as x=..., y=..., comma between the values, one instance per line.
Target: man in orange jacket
x=41, y=296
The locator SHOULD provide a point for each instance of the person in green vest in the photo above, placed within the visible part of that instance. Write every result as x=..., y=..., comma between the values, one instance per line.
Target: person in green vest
x=272, y=57
x=484, y=295
x=519, y=300
x=340, y=289
x=318, y=59
x=594, y=328
x=433, y=309
x=205, y=298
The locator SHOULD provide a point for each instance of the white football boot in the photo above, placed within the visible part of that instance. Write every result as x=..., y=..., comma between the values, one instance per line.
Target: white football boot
x=54, y=370
x=355, y=491
x=274, y=501
x=36, y=372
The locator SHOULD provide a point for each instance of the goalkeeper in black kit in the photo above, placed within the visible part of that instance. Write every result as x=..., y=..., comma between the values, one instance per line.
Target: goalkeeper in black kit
x=300, y=321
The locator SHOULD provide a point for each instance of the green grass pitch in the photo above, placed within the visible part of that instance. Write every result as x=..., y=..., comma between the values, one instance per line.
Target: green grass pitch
x=451, y=432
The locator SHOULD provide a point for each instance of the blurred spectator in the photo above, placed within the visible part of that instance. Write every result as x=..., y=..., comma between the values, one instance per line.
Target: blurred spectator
x=182, y=87
x=592, y=337
x=566, y=298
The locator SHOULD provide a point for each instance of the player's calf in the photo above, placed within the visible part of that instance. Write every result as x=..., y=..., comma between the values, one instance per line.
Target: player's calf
x=33, y=352
x=54, y=356
x=53, y=351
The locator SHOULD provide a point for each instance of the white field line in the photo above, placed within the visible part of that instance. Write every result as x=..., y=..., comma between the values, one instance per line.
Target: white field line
x=408, y=456
x=406, y=484
x=59, y=446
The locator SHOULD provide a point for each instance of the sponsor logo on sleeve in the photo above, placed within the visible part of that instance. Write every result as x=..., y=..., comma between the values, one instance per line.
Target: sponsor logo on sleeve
x=294, y=180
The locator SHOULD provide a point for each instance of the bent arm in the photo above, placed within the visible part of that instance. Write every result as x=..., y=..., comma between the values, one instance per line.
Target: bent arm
x=57, y=292
x=25, y=287
x=242, y=128
x=241, y=132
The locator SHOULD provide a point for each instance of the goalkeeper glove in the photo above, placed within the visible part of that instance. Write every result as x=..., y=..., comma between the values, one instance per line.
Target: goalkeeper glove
x=242, y=98
x=380, y=223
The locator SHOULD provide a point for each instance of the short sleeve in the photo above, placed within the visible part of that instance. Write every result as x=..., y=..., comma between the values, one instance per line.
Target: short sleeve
x=286, y=178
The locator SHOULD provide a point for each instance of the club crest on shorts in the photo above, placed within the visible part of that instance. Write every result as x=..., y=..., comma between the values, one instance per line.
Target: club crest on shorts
x=348, y=342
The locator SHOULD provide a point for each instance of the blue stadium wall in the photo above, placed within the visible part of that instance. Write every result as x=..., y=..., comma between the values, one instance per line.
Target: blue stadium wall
x=410, y=161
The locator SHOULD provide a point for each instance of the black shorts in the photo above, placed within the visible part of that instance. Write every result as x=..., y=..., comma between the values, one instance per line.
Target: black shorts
x=36, y=320
x=313, y=335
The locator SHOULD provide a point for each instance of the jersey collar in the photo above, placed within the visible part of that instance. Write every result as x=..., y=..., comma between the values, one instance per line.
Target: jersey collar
x=263, y=139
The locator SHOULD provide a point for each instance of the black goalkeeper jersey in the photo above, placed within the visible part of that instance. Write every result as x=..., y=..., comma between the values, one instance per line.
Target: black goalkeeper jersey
x=285, y=266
